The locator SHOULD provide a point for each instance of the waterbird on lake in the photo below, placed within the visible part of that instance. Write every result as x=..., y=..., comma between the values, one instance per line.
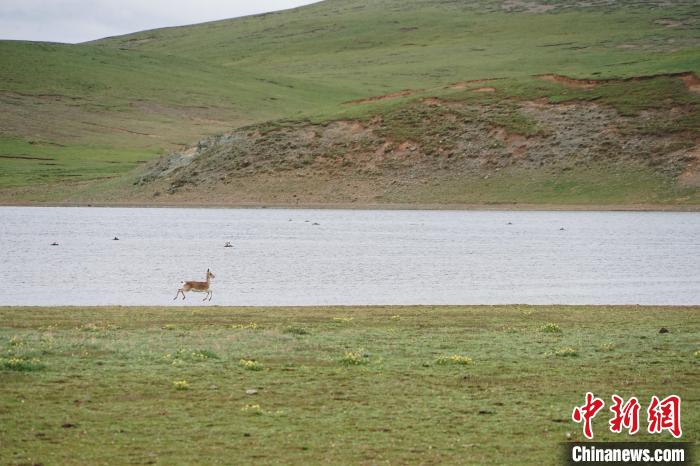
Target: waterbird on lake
x=198, y=287
x=228, y=244
x=54, y=243
x=115, y=239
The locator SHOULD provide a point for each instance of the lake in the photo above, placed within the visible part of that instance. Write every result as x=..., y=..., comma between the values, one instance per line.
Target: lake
x=348, y=257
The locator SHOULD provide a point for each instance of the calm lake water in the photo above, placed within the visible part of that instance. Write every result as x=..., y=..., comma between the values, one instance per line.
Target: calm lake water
x=321, y=257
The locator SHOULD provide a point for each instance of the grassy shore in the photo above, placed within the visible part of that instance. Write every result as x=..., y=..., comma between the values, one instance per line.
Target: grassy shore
x=340, y=385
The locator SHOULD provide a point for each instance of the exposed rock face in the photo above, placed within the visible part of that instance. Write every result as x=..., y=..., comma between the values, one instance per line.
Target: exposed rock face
x=436, y=137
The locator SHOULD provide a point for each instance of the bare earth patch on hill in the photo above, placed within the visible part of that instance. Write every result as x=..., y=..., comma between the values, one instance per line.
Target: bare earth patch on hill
x=434, y=140
x=378, y=98
x=691, y=175
x=690, y=80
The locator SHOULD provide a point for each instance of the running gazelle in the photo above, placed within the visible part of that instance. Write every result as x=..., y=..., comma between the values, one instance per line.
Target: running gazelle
x=199, y=287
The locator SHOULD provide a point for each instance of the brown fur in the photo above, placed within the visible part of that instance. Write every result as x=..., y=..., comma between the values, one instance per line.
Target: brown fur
x=201, y=287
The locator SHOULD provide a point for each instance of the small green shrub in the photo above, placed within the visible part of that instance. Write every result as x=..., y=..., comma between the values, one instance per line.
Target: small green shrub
x=181, y=385
x=250, y=365
x=20, y=364
x=550, y=328
x=16, y=341
x=254, y=409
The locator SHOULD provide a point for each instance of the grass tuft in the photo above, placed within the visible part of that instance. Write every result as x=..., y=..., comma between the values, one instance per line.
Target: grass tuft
x=354, y=358
x=250, y=365
x=181, y=385
x=454, y=359
x=20, y=364
x=550, y=328
x=184, y=355
x=254, y=409
x=16, y=341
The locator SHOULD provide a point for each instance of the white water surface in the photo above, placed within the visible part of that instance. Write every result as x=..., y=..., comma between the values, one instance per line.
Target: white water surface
x=347, y=257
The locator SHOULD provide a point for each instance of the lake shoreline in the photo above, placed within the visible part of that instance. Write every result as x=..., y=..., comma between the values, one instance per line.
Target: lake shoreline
x=373, y=206
x=198, y=306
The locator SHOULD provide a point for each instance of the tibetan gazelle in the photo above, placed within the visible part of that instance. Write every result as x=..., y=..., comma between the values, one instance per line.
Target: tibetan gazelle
x=199, y=287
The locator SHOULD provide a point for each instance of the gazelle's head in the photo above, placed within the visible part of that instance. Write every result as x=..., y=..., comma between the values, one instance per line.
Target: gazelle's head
x=209, y=274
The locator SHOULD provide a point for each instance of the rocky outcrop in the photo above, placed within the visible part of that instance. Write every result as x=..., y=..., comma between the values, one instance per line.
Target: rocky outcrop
x=436, y=137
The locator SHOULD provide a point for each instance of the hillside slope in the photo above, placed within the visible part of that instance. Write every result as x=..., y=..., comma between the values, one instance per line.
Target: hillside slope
x=470, y=146
x=77, y=120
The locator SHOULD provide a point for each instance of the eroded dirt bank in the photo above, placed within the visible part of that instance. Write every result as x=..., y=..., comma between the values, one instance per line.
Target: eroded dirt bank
x=435, y=152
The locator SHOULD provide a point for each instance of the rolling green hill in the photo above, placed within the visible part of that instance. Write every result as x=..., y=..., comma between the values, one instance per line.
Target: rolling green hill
x=77, y=121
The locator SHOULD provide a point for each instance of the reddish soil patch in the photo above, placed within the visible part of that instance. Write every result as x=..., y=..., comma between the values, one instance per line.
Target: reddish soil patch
x=516, y=144
x=393, y=95
x=485, y=89
x=691, y=82
x=691, y=175
x=570, y=82
x=689, y=79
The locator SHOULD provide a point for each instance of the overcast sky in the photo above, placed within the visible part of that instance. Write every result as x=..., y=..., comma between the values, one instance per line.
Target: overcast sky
x=82, y=20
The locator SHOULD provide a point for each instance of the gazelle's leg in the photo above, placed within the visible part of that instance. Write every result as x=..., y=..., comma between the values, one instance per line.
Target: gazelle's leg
x=177, y=294
x=211, y=293
x=205, y=296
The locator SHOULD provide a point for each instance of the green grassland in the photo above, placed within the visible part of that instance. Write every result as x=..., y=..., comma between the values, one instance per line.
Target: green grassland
x=337, y=385
x=139, y=95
